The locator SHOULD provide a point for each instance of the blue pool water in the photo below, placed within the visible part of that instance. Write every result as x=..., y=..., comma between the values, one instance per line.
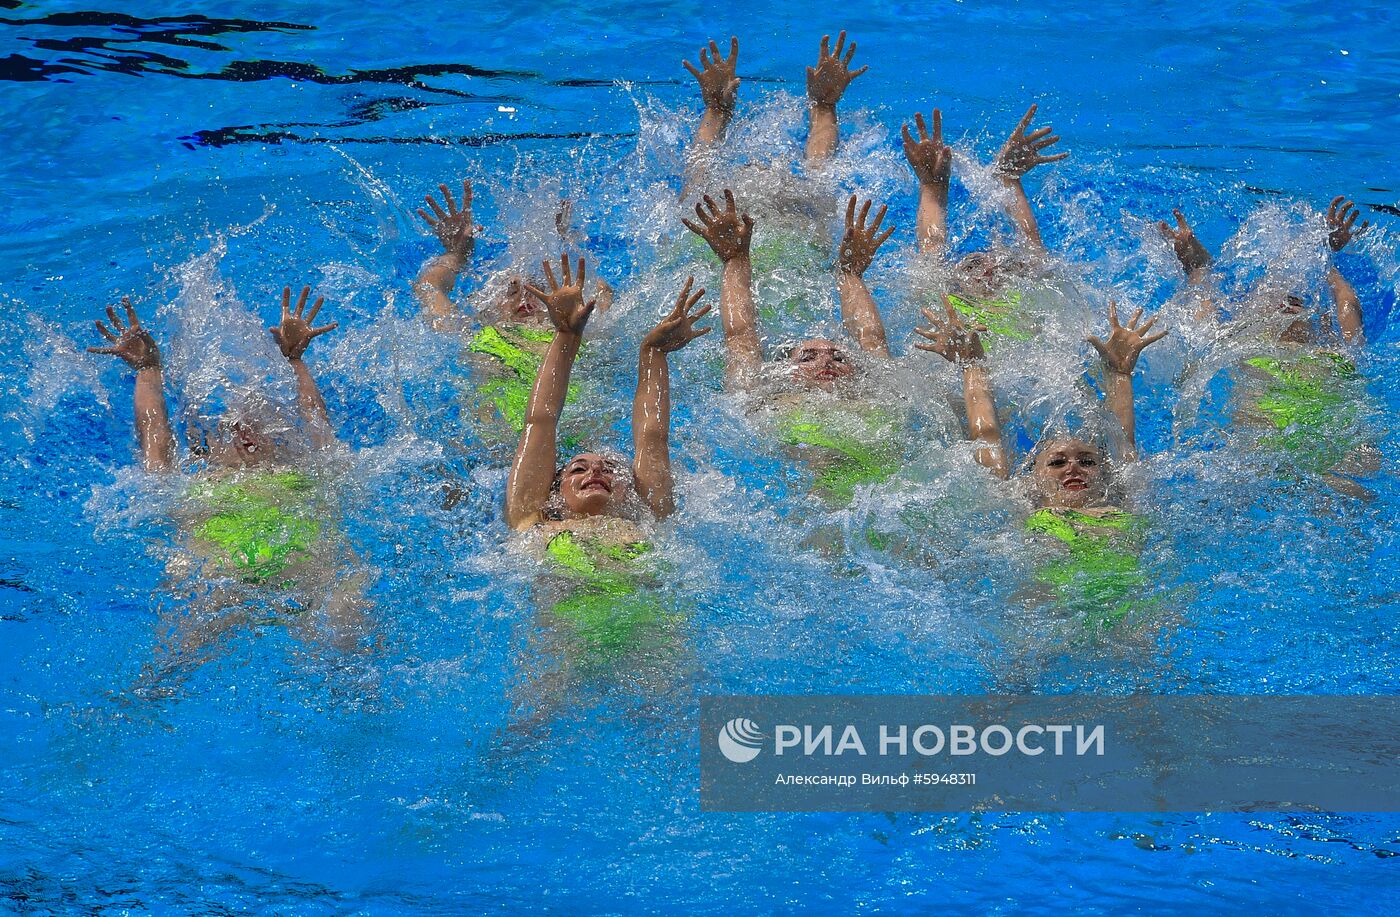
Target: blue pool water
x=199, y=158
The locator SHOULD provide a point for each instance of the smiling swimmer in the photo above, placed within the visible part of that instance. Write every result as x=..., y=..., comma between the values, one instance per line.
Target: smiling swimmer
x=1098, y=575
x=589, y=511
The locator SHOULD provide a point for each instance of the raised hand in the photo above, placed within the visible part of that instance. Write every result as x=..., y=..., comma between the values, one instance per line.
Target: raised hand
x=295, y=332
x=827, y=81
x=563, y=217
x=929, y=157
x=1125, y=342
x=131, y=342
x=728, y=231
x=1022, y=151
x=950, y=337
x=454, y=228
x=1189, y=251
x=719, y=86
x=678, y=328
x=1341, y=218
x=567, y=310
x=860, y=243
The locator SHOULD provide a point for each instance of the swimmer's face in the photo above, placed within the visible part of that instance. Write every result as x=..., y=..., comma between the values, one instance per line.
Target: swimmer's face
x=518, y=305
x=980, y=276
x=593, y=485
x=1069, y=473
x=820, y=363
x=1299, y=331
x=241, y=443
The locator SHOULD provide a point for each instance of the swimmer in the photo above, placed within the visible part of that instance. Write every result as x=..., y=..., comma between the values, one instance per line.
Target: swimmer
x=589, y=514
x=456, y=231
x=1072, y=481
x=984, y=283
x=1340, y=222
x=795, y=208
x=822, y=411
x=254, y=527
x=514, y=330
x=243, y=443
x=817, y=362
x=1305, y=395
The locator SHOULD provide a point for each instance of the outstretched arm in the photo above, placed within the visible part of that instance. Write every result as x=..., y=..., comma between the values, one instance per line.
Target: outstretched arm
x=457, y=233
x=1020, y=154
x=1195, y=259
x=858, y=247
x=293, y=335
x=135, y=345
x=651, y=406
x=719, y=87
x=953, y=340
x=1120, y=354
x=826, y=82
x=532, y=472
x=932, y=162
x=729, y=233
x=563, y=225
x=1342, y=228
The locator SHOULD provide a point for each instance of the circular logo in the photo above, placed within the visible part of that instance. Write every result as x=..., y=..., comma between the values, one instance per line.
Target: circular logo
x=740, y=740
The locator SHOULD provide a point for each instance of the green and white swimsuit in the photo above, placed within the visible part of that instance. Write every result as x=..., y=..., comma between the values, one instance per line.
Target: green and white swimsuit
x=1101, y=578
x=850, y=445
x=787, y=255
x=787, y=265
x=516, y=352
x=263, y=523
x=1311, y=402
x=610, y=599
x=1003, y=316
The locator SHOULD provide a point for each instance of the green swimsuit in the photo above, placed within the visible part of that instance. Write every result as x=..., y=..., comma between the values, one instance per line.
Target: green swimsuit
x=1101, y=578
x=859, y=446
x=781, y=259
x=509, y=346
x=263, y=523
x=1002, y=316
x=609, y=602
x=1306, y=399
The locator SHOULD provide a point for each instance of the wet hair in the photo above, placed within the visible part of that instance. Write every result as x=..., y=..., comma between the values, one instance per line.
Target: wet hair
x=974, y=258
x=196, y=435
x=495, y=288
x=1047, y=441
x=1004, y=262
x=784, y=350
x=783, y=353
